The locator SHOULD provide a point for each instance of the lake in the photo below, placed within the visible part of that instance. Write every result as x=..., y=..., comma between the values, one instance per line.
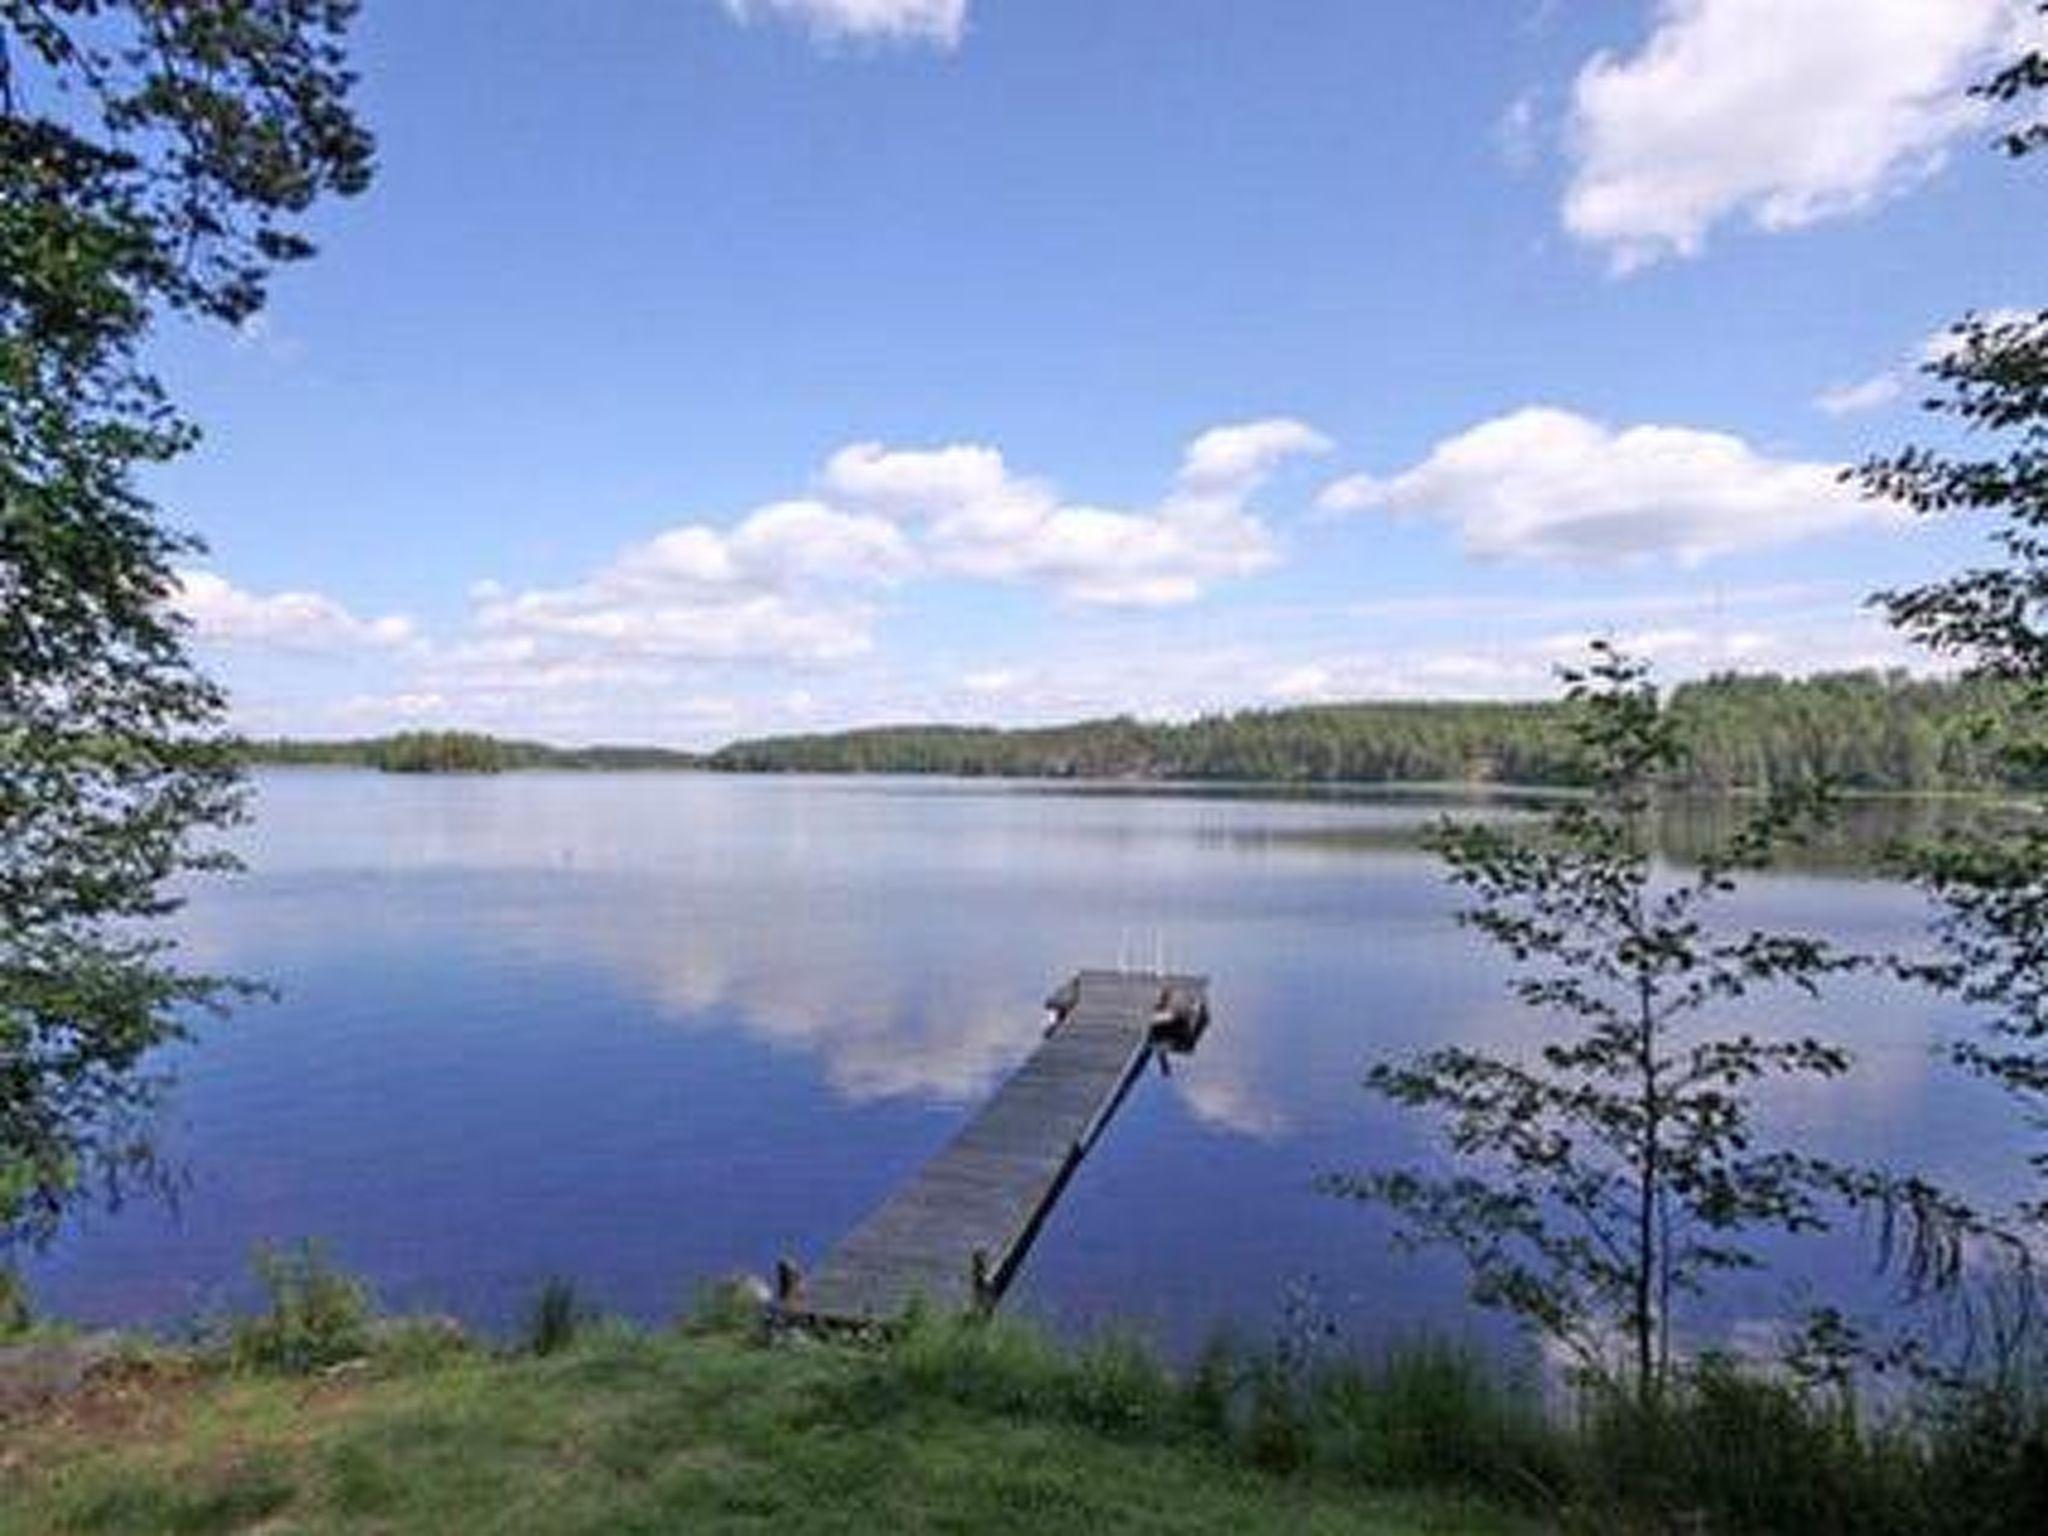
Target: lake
x=648, y=1030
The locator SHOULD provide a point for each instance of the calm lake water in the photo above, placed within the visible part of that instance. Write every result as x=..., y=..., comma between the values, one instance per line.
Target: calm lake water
x=647, y=1030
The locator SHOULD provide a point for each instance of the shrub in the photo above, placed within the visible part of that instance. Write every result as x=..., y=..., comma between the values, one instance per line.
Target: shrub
x=1116, y=1383
x=1213, y=1384
x=318, y=1314
x=1987, y=1456
x=994, y=1364
x=1435, y=1413
x=1426, y=1414
x=557, y=1316
x=729, y=1308
x=15, y=1312
x=1741, y=1453
x=1276, y=1428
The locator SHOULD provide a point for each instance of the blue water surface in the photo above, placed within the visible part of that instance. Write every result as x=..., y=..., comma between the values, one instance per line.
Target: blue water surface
x=649, y=1030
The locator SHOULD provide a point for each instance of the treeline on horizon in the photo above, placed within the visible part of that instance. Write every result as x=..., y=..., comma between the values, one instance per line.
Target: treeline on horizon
x=1861, y=730
x=457, y=752
x=1867, y=730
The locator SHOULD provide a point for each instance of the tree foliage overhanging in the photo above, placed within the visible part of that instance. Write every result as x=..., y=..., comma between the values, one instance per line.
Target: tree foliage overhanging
x=155, y=158
x=1990, y=380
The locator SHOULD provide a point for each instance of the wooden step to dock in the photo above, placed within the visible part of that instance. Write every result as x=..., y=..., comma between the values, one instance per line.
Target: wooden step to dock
x=954, y=1235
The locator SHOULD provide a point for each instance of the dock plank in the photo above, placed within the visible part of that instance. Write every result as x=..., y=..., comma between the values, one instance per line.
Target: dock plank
x=990, y=1188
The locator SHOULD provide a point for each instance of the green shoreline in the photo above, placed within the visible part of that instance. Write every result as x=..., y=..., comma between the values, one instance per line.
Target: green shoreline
x=1864, y=732
x=318, y=1418
x=624, y=1432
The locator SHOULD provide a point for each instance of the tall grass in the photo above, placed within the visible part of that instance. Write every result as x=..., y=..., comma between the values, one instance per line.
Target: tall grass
x=1114, y=1384
x=1724, y=1451
x=317, y=1314
x=16, y=1315
x=1428, y=1414
x=557, y=1316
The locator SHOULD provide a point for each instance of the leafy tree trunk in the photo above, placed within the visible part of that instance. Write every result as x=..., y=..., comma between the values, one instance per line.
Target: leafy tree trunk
x=153, y=157
x=1651, y=1271
x=1611, y=1169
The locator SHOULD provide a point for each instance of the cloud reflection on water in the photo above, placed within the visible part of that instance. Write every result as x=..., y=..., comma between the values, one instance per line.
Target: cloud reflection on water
x=760, y=1002
x=903, y=935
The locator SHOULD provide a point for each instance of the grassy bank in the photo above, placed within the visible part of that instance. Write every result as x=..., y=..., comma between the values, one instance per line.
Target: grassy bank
x=316, y=1419
x=620, y=1432
x=316, y=1415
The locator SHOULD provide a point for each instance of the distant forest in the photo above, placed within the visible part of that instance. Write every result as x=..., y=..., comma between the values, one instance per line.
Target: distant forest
x=457, y=752
x=1862, y=730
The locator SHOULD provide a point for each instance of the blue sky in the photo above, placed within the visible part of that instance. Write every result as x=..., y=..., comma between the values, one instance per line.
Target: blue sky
x=699, y=368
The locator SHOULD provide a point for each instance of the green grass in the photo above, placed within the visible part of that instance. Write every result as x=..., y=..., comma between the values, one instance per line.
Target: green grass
x=318, y=1315
x=587, y=1425
x=618, y=1432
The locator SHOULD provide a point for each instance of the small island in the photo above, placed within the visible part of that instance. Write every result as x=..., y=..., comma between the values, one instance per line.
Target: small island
x=458, y=752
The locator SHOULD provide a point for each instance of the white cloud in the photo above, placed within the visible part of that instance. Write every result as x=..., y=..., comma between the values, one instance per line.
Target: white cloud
x=763, y=626
x=1234, y=460
x=1880, y=389
x=1302, y=685
x=978, y=519
x=774, y=587
x=1476, y=649
x=939, y=22
x=1354, y=493
x=1456, y=644
x=784, y=543
x=383, y=711
x=991, y=681
x=1549, y=484
x=1464, y=610
x=788, y=584
x=1792, y=641
x=1786, y=111
x=698, y=612
x=793, y=541
x=224, y=614
x=923, y=480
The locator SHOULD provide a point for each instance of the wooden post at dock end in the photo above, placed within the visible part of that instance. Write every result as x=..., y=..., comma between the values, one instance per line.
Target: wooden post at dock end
x=981, y=1283
x=789, y=1283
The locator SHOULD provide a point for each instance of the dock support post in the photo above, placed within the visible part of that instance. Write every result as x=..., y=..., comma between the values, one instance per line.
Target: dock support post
x=789, y=1283
x=981, y=1284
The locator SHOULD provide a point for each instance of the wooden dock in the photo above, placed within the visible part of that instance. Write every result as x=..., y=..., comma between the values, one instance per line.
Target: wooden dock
x=954, y=1235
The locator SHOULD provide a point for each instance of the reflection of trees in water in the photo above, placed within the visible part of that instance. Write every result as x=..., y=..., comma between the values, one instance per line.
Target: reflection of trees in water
x=1864, y=836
